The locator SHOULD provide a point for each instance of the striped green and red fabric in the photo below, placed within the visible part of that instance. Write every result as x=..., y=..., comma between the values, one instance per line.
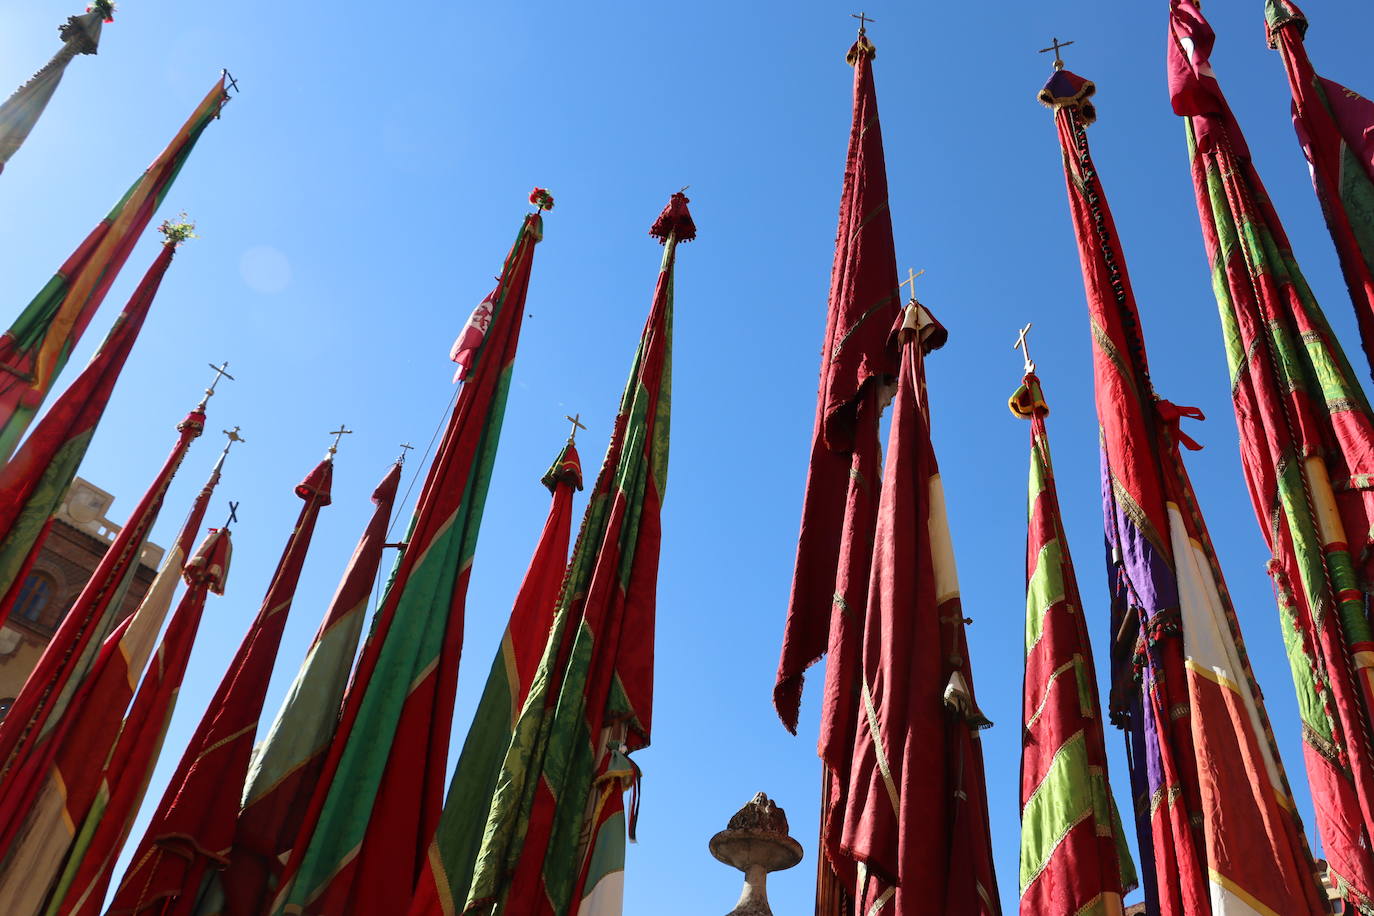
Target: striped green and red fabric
x=288, y=761
x=1217, y=827
x=453, y=852
x=34, y=481
x=1074, y=858
x=192, y=829
x=592, y=695
x=1335, y=127
x=101, y=833
x=66, y=661
x=21, y=111
x=375, y=809
x=67, y=715
x=69, y=774
x=36, y=347
x=1307, y=447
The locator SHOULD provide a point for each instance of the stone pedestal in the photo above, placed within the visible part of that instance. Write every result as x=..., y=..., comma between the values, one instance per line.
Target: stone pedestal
x=756, y=842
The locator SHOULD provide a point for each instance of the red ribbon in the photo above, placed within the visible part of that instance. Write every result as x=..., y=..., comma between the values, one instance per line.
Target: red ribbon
x=1172, y=414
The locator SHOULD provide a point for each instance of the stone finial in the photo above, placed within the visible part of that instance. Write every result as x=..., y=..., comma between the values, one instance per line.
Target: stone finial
x=756, y=842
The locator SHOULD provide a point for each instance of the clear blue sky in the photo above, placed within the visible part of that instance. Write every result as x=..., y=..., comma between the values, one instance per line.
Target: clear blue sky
x=356, y=199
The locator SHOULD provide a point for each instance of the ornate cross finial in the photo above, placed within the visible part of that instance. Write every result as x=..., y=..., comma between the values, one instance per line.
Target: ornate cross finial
x=233, y=514
x=233, y=435
x=1023, y=344
x=864, y=20
x=338, y=434
x=1055, y=45
x=911, y=276
x=219, y=374
x=405, y=447
x=576, y=425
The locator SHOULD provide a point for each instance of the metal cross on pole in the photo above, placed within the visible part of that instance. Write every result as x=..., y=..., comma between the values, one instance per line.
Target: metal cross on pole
x=233, y=435
x=1055, y=46
x=338, y=434
x=220, y=373
x=233, y=513
x=911, y=276
x=1023, y=344
x=575, y=426
x=405, y=447
x=864, y=20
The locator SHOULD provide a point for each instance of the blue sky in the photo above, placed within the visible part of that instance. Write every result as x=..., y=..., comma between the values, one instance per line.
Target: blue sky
x=357, y=197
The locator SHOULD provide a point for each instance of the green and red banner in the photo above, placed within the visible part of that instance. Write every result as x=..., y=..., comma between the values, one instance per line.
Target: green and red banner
x=288, y=761
x=34, y=481
x=592, y=694
x=1335, y=127
x=102, y=831
x=1074, y=857
x=377, y=803
x=453, y=853
x=192, y=829
x=36, y=347
x=68, y=656
x=66, y=717
x=21, y=111
x=1307, y=447
x=66, y=776
x=1216, y=825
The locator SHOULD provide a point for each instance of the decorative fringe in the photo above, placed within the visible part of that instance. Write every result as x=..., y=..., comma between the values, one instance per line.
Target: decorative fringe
x=541, y=198
x=675, y=221
x=1066, y=89
x=1281, y=13
x=862, y=47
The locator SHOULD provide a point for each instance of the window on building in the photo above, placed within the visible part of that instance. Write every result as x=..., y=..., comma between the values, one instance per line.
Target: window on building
x=35, y=596
x=5, y=705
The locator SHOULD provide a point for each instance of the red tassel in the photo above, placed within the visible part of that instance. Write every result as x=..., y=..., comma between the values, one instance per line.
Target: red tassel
x=675, y=220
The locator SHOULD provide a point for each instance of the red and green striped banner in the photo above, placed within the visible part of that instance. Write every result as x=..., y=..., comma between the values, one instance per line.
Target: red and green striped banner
x=1335, y=127
x=1216, y=824
x=593, y=692
x=33, y=483
x=36, y=347
x=192, y=830
x=288, y=761
x=453, y=853
x=101, y=833
x=377, y=804
x=1074, y=857
x=67, y=715
x=1307, y=447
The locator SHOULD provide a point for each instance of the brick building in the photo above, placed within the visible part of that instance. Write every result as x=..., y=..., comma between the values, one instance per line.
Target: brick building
x=79, y=537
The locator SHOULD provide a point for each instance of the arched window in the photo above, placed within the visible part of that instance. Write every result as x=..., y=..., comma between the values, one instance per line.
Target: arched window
x=36, y=594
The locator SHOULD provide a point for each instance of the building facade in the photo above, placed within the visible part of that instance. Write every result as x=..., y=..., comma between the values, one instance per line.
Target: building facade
x=79, y=537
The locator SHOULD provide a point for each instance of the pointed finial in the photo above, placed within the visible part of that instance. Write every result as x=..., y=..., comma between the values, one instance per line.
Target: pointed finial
x=1055, y=46
x=1023, y=344
x=576, y=425
x=864, y=20
x=338, y=434
x=219, y=374
x=233, y=514
x=405, y=447
x=911, y=276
